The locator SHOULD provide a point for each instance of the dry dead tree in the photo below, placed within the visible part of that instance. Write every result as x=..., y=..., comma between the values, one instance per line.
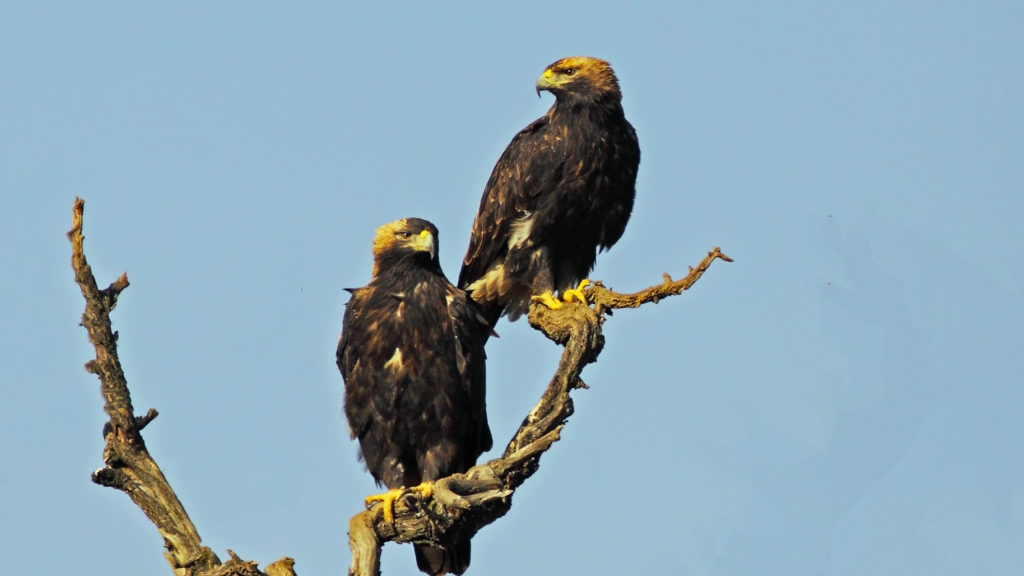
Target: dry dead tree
x=460, y=505
x=128, y=464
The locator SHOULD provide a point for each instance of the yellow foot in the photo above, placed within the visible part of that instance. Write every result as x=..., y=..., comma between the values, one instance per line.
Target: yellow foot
x=425, y=489
x=387, y=499
x=548, y=299
x=576, y=293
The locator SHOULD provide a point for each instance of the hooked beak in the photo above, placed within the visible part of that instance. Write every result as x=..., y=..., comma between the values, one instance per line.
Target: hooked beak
x=544, y=82
x=425, y=242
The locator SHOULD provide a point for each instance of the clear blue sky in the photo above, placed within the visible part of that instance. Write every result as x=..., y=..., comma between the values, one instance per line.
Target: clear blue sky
x=845, y=399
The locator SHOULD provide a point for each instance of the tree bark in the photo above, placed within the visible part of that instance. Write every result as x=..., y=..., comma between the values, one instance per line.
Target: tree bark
x=128, y=465
x=460, y=504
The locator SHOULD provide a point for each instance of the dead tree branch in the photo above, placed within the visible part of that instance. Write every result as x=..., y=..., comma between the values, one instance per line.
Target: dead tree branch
x=462, y=504
x=129, y=466
x=605, y=299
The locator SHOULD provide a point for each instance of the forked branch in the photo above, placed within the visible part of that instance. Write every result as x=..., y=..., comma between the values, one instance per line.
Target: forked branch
x=606, y=299
x=129, y=466
x=462, y=504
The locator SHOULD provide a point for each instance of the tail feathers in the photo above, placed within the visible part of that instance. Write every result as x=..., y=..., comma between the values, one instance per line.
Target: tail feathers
x=438, y=561
x=491, y=311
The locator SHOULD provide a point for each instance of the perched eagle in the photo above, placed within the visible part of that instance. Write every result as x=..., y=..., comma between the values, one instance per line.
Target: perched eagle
x=411, y=353
x=563, y=188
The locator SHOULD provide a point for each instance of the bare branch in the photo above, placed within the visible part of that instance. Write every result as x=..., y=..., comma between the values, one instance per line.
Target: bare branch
x=459, y=506
x=129, y=466
x=462, y=504
x=605, y=299
x=283, y=567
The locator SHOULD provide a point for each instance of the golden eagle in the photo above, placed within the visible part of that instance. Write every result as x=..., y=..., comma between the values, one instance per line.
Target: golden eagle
x=563, y=188
x=411, y=353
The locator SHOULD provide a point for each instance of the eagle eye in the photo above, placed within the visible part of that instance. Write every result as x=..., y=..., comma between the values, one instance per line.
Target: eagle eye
x=404, y=234
x=569, y=72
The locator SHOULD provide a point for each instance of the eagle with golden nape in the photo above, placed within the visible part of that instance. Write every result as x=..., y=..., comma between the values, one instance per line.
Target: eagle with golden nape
x=562, y=190
x=411, y=353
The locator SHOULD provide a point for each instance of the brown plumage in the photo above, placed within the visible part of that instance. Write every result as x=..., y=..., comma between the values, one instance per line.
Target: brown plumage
x=412, y=355
x=563, y=188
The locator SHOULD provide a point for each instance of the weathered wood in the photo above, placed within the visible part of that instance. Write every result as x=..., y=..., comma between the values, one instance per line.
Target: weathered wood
x=484, y=493
x=459, y=506
x=129, y=466
x=606, y=299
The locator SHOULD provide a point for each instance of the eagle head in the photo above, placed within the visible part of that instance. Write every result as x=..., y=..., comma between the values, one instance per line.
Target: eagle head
x=404, y=238
x=580, y=77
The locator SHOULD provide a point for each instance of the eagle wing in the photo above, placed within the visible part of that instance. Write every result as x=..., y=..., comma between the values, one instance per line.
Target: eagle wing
x=348, y=354
x=529, y=167
x=471, y=330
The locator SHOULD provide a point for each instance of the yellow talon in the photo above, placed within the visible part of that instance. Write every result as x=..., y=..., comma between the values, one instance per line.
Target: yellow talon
x=576, y=293
x=387, y=499
x=425, y=489
x=548, y=299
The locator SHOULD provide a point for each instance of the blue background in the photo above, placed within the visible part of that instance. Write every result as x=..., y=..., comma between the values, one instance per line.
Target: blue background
x=840, y=400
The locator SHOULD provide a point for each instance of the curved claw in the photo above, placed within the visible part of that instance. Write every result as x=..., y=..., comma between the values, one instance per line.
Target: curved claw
x=576, y=293
x=548, y=299
x=387, y=499
x=426, y=489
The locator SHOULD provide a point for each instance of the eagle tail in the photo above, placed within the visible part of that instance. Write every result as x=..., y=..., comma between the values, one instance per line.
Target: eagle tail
x=438, y=561
x=491, y=312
